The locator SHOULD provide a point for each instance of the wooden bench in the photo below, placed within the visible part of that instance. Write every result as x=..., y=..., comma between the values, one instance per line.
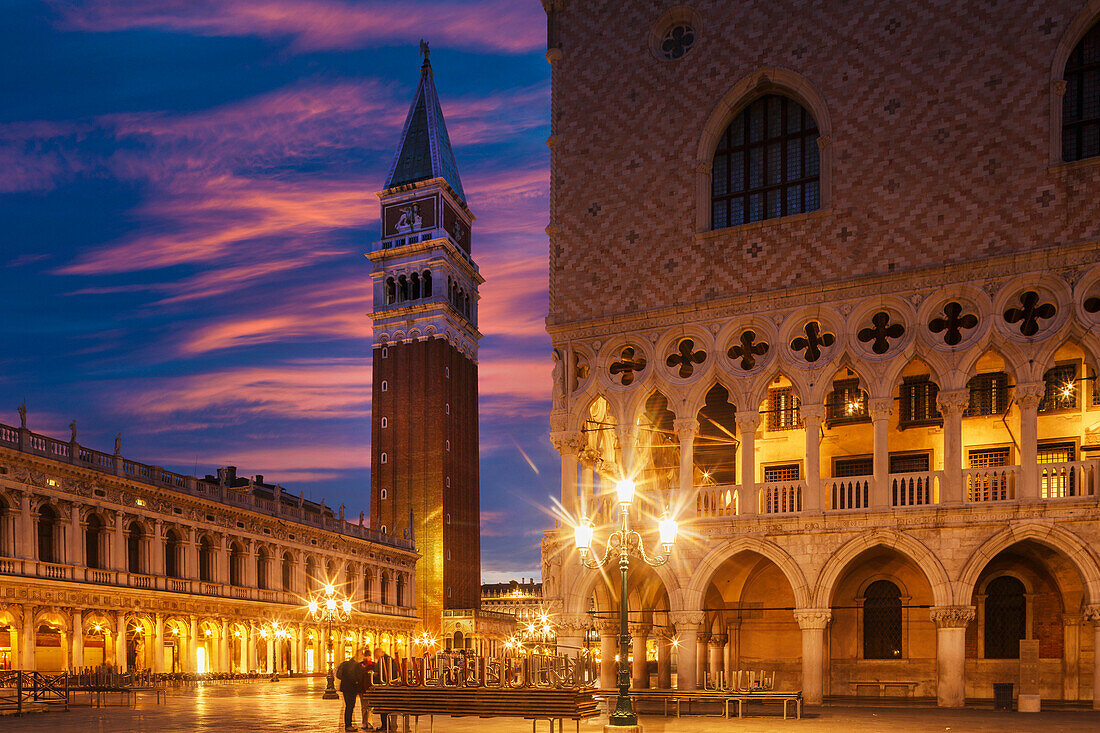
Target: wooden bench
x=881, y=685
x=722, y=698
x=528, y=703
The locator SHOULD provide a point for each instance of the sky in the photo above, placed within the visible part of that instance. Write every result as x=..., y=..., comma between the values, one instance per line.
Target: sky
x=186, y=195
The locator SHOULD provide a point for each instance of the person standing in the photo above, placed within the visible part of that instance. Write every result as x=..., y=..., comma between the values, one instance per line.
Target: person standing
x=365, y=687
x=383, y=665
x=350, y=674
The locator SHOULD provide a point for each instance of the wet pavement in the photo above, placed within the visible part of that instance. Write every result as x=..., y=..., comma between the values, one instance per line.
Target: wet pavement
x=296, y=705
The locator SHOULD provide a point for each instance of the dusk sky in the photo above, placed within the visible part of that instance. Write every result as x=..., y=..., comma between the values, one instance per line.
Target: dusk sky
x=187, y=193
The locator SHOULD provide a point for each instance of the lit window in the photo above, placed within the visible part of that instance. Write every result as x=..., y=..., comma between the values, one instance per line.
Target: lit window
x=140, y=502
x=783, y=472
x=1061, y=389
x=383, y=532
x=784, y=409
x=917, y=402
x=847, y=403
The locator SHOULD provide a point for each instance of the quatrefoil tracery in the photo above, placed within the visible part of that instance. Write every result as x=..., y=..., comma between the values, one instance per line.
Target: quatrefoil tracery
x=1030, y=312
x=627, y=365
x=880, y=332
x=813, y=341
x=686, y=358
x=952, y=323
x=747, y=349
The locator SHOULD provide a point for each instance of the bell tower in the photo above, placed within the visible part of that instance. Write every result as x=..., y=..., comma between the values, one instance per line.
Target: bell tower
x=424, y=431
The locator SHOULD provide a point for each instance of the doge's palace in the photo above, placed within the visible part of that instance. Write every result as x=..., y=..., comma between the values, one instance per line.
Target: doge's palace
x=843, y=322
x=107, y=561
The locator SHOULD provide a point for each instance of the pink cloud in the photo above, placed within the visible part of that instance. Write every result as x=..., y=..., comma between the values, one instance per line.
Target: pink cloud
x=499, y=25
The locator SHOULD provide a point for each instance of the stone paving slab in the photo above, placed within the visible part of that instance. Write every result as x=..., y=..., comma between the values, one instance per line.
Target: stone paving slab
x=296, y=705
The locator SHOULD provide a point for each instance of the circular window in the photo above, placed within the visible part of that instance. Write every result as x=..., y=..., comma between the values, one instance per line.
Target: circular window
x=677, y=41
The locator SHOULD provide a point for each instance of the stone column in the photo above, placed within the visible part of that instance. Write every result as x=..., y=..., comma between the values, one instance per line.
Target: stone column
x=27, y=548
x=881, y=408
x=191, y=555
x=270, y=654
x=664, y=662
x=29, y=634
x=300, y=659
x=118, y=544
x=687, y=625
x=747, y=422
x=78, y=640
x=223, y=647
x=952, y=404
x=570, y=636
x=1071, y=656
x=72, y=551
x=812, y=416
x=155, y=646
x=1028, y=397
x=686, y=430
x=701, y=659
x=951, y=622
x=714, y=665
x=193, y=646
x=120, y=642
x=609, y=650
x=156, y=551
x=1092, y=616
x=249, y=576
x=813, y=622
x=639, y=669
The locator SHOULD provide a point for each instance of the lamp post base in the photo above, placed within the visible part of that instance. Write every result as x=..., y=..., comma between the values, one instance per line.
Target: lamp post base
x=622, y=729
x=330, y=689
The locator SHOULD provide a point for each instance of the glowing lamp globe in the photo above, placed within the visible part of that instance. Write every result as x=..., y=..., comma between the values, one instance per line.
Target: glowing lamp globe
x=313, y=607
x=625, y=490
x=582, y=535
x=347, y=606
x=667, y=529
x=330, y=604
x=329, y=589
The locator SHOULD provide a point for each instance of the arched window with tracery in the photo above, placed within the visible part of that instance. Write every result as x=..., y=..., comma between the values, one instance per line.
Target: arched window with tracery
x=134, y=537
x=1081, y=102
x=1005, y=617
x=236, y=564
x=882, y=621
x=172, y=554
x=766, y=164
x=47, y=531
x=93, y=542
x=261, y=569
x=206, y=560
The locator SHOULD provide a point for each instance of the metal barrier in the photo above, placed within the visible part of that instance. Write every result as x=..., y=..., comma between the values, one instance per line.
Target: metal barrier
x=20, y=690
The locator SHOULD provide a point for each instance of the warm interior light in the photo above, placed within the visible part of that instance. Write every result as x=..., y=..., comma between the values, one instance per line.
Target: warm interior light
x=667, y=529
x=625, y=490
x=1067, y=390
x=263, y=633
x=582, y=535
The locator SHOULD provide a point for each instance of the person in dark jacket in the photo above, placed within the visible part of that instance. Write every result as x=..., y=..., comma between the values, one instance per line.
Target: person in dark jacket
x=384, y=672
x=364, y=687
x=350, y=674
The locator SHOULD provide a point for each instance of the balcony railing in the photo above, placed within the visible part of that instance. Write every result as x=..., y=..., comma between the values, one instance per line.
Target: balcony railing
x=915, y=489
x=24, y=440
x=1067, y=480
x=781, y=497
x=849, y=492
x=997, y=483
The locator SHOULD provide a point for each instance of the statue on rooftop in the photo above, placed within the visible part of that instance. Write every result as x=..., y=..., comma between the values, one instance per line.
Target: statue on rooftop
x=22, y=410
x=424, y=51
x=72, y=431
x=118, y=444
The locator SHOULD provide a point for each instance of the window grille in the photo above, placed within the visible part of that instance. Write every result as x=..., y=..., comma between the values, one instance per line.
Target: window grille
x=1061, y=388
x=861, y=466
x=988, y=394
x=784, y=409
x=766, y=164
x=909, y=462
x=988, y=457
x=882, y=621
x=784, y=472
x=1081, y=103
x=1005, y=618
x=847, y=403
x=1060, y=481
x=917, y=402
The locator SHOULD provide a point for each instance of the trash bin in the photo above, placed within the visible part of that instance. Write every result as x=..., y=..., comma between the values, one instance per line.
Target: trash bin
x=1002, y=695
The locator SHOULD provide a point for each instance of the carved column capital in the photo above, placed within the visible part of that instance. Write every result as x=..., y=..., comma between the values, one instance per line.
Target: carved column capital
x=880, y=408
x=823, y=141
x=568, y=443
x=607, y=626
x=590, y=458
x=687, y=620
x=1030, y=394
x=638, y=629
x=1092, y=614
x=1058, y=87
x=717, y=640
x=686, y=427
x=811, y=413
x=952, y=617
x=747, y=420
x=953, y=401
x=813, y=618
x=576, y=623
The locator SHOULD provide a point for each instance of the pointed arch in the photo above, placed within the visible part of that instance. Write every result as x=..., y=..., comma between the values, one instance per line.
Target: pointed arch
x=696, y=589
x=577, y=597
x=901, y=543
x=1075, y=549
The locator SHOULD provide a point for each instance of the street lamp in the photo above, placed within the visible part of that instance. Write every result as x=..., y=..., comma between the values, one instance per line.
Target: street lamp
x=329, y=609
x=625, y=540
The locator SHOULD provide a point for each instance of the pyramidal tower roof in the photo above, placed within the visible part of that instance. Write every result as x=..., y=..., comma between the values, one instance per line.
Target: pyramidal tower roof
x=425, y=149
